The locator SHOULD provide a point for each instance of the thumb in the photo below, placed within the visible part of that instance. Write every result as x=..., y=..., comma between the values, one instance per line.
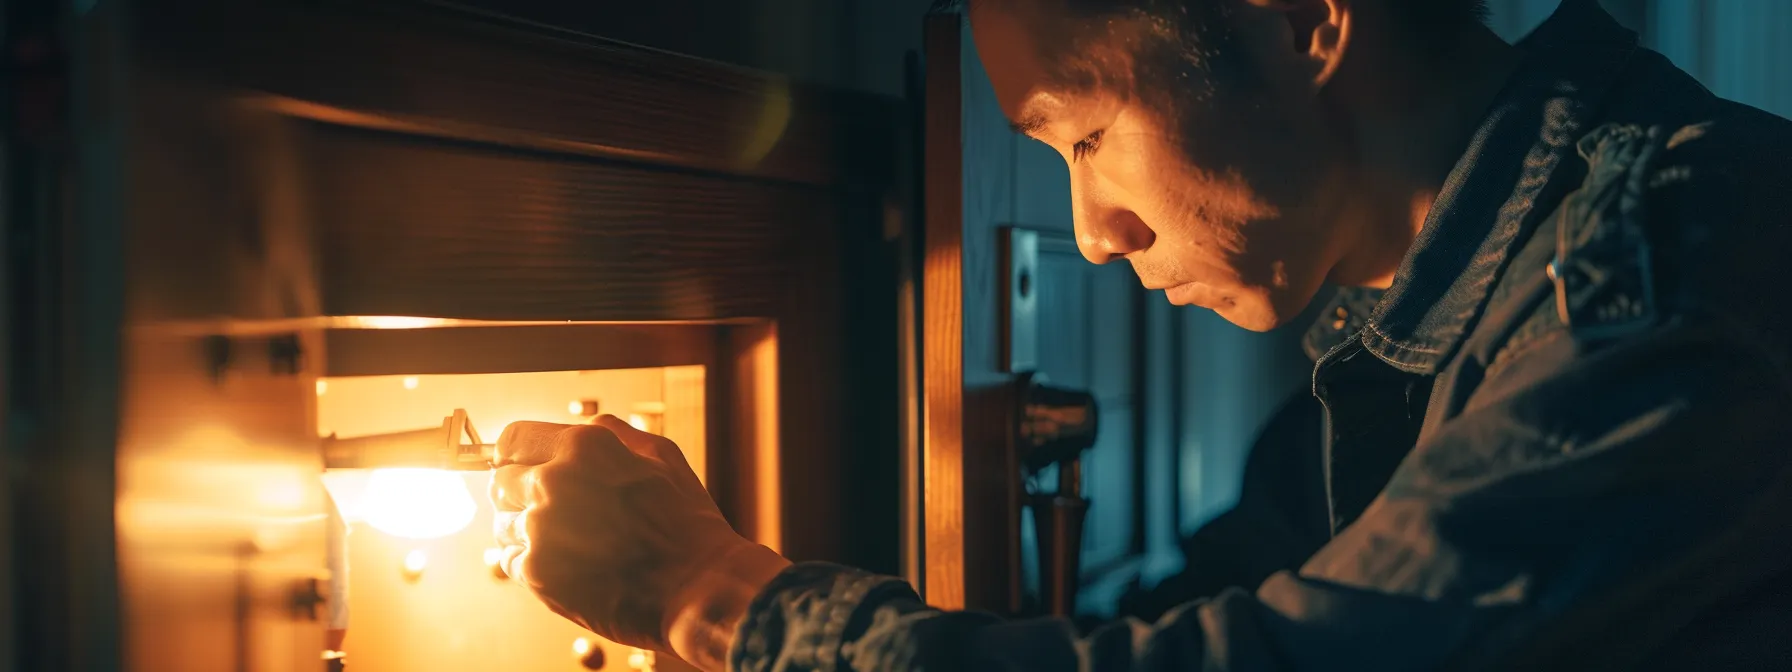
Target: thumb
x=527, y=443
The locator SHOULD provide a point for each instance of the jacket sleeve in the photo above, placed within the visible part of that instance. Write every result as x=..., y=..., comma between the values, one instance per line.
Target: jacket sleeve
x=1616, y=496
x=1280, y=519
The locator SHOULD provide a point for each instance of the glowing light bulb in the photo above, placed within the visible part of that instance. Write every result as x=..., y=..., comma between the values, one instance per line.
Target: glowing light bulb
x=415, y=561
x=494, y=561
x=417, y=503
x=574, y=407
x=588, y=653
x=410, y=382
x=640, y=660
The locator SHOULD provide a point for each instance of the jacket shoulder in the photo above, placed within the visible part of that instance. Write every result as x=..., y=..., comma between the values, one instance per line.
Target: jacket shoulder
x=1671, y=221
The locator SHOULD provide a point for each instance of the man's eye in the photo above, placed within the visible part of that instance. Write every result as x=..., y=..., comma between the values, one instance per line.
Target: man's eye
x=1086, y=146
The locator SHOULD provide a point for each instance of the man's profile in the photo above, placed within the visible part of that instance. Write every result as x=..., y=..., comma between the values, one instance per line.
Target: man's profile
x=1556, y=395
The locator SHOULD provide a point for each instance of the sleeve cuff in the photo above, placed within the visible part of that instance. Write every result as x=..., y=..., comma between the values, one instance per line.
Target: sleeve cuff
x=802, y=620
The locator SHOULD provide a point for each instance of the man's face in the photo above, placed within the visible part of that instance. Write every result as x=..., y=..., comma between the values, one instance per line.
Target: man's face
x=1216, y=193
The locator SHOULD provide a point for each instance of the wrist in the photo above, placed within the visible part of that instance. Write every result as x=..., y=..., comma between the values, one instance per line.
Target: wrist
x=707, y=609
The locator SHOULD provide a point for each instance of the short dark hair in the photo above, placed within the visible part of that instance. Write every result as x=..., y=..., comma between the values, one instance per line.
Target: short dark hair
x=1420, y=12
x=1424, y=18
x=1188, y=39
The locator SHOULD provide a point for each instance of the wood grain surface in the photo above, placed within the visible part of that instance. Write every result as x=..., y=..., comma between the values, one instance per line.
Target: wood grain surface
x=942, y=319
x=409, y=226
x=275, y=162
x=461, y=350
x=424, y=63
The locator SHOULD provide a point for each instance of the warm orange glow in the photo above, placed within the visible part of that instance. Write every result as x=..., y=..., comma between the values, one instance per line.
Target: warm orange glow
x=289, y=494
x=773, y=119
x=415, y=561
x=681, y=415
x=410, y=382
x=762, y=362
x=581, y=647
x=397, y=322
x=417, y=503
x=461, y=612
x=322, y=386
x=575, y=407
x=640, y=660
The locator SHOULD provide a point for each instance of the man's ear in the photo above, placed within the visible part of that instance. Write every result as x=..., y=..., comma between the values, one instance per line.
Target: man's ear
x=1330, y=38
x=1321, y=30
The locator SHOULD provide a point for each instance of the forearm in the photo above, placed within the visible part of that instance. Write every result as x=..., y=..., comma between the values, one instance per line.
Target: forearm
x=703, y=619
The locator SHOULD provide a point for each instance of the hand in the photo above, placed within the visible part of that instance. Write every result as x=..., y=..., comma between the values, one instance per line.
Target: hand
x=611, y=529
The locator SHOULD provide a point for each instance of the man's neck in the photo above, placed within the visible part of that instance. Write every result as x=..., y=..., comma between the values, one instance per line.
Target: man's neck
x=1412, y=116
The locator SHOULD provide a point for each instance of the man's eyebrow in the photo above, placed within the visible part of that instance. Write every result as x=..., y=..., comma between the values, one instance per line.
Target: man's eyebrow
x=1028, y=124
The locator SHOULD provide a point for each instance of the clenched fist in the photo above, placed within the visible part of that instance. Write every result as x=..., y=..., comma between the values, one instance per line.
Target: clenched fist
x=610, y=528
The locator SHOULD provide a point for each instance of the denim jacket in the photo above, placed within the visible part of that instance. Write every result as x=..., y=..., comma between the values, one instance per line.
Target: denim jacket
x=1560, y=440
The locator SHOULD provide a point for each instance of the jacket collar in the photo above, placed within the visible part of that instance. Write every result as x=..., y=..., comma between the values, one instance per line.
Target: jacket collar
x=1490, y=198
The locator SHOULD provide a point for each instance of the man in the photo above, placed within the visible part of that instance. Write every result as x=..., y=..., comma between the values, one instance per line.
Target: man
x=1559, y=439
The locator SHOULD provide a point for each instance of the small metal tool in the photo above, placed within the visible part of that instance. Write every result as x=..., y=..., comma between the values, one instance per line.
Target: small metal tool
x=455, y=445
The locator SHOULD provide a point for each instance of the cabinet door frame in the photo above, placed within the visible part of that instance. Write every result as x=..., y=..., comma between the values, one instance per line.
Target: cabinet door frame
x=970, y=527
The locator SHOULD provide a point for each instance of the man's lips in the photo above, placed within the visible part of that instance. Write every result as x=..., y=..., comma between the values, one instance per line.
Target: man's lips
x=1194, y=294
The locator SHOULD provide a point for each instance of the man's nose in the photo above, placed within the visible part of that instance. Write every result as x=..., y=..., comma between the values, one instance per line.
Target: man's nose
x=1105, y=229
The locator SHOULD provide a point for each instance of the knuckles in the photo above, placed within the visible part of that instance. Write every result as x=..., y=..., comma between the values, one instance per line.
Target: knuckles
x=587, y=442
x=557, y=477
x=538, y=522
x=527, y=442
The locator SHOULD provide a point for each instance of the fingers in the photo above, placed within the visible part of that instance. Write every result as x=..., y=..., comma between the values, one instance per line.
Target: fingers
x=619, y=427
x=528, y=443
x=502, y=522
x=513, y=487
x=515, y=557
x=641, y=443
x=516, y=530
x=581, y=463
x=527, y=447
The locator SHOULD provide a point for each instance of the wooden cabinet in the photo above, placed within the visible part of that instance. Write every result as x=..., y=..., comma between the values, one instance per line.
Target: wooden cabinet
x=240, y=199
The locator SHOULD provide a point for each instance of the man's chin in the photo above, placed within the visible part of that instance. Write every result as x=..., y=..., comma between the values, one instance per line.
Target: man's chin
x=1256, y=317
x=1264, y=310
x=1255, y=309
